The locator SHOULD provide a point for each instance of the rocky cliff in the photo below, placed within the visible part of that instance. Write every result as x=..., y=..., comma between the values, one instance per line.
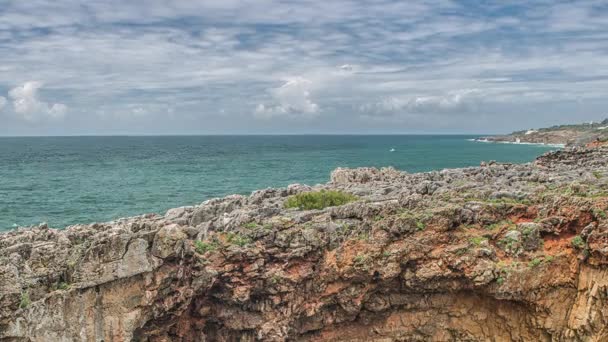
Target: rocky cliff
x=499, y=252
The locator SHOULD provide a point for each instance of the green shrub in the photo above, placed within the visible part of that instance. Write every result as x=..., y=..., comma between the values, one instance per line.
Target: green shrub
x=420, y=225
x=203, y=247
x=578, y=242
x=25, y=300
x=599, y=213
x=319, y=199
x=63, y=286
x=500, y=280
x=535, y=262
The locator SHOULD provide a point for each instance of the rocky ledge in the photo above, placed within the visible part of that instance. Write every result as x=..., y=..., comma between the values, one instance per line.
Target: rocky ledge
x=499, y=252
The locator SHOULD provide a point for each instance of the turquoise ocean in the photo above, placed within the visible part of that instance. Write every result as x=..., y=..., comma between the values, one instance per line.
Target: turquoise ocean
x=68, y=180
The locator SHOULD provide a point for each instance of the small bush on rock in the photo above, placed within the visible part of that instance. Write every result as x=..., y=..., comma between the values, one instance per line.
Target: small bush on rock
x=319, y=199
x=25, y=300
x=578, y=242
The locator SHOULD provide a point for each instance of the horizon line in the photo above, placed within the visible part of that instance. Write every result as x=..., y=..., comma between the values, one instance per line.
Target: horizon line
x=242, y=134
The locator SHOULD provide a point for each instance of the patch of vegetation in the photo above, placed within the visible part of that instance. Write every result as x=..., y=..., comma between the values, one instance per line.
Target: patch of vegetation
x=418, y=219
x=360, y=259
x=500, y=280
x=461, y=251
x=478, y=240
x=570, y=190
x=575, y=189
x=62, y=285
x=237, y=239
x=500, y=224
x=319, y=199
x=344, y=227
x=378, y=218
x=275, y=279
x=251, y=225
x=578, y=242
x=386, y=254
x=420, y=225
x=203, y=247
x=510, y=245
x=597, y=174
x=599, y=213
x=364, y=236
x=535, y=262
x=528, y=231
x=25, y=300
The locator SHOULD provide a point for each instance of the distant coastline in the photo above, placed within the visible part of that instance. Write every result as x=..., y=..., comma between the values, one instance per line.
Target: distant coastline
x=562, y=136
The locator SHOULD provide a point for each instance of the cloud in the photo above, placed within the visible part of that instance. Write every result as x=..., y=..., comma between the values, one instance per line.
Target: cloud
x=2, y=102
x=346, y=67
x=27, y=105
x=454, y=100
x=373, y=57
x=292, y=99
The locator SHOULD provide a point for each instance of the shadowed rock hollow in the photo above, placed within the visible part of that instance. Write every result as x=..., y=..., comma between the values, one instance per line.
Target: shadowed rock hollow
x=494, y=253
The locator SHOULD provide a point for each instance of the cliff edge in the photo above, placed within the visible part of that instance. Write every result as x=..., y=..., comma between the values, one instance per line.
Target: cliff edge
x=499, y=252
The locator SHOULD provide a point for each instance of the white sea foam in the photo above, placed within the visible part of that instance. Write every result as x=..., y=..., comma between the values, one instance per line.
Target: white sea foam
x=517, y=143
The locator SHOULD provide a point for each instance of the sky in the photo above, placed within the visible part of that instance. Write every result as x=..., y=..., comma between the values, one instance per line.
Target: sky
x=71, y=67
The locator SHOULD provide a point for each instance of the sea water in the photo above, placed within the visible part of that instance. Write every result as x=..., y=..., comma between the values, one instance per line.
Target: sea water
x=68, y=180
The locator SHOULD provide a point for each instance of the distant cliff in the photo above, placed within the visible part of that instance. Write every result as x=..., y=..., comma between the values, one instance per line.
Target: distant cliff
x=567, y=135
x=499, y=252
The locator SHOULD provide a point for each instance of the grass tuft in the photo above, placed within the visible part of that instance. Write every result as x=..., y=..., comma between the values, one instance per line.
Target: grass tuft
x=204, y=247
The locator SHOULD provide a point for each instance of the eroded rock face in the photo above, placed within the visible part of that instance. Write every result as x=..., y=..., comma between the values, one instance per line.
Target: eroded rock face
x=501, y=252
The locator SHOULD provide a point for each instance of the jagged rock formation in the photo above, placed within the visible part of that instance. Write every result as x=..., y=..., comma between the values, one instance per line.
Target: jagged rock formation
x=496, y=253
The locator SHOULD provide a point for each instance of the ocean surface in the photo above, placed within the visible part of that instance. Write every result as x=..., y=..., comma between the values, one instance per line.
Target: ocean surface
x=68, y=180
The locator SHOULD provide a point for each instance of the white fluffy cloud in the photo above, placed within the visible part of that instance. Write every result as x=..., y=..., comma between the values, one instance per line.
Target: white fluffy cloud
x=30, y=108
x=291, y=99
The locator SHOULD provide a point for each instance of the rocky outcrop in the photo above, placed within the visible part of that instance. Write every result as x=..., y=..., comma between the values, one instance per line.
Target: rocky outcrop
x=495, y=253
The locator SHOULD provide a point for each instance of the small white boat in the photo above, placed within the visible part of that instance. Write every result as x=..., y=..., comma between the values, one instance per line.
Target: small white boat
x=392, y=150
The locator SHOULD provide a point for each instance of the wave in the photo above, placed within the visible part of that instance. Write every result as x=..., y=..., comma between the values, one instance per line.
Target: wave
x=517, y=143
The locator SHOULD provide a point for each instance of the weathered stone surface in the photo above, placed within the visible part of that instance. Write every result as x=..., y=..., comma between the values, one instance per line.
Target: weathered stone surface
x=497, y=253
